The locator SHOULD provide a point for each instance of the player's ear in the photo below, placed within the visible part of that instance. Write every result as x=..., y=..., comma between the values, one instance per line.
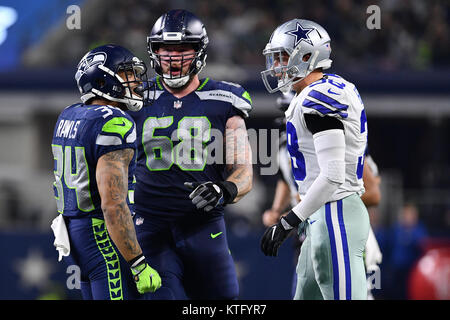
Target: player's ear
x=306, y=57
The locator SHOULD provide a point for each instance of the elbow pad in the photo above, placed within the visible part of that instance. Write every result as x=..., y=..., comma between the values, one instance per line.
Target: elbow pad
x=330, y=151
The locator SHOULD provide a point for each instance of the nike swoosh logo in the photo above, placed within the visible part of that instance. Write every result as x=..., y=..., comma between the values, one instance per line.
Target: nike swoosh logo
x=312, y=221
x=120, y=124
x=273, y=231
x=329, y=91
x=215, y=235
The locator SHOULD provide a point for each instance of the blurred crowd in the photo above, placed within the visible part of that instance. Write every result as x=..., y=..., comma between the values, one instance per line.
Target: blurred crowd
x=413, y=34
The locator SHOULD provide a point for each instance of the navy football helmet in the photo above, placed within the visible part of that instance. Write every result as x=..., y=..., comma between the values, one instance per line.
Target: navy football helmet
x=98, y=76
x=178, y=27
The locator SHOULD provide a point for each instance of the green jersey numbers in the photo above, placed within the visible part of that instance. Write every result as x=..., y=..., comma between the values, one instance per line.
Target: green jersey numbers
x=190, y=154
x=77, y=180
x=58, y=156
x=158, y=149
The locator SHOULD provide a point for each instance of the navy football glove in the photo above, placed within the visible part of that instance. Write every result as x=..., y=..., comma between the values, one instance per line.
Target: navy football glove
x=275, y=235
x=208, y=195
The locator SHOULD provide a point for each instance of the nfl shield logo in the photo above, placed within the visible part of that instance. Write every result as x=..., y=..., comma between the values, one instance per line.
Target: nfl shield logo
x=139, y=221
x=177, y=104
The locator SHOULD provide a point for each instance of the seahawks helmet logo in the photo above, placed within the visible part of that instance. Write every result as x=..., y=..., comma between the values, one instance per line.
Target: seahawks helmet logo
x=88, y=61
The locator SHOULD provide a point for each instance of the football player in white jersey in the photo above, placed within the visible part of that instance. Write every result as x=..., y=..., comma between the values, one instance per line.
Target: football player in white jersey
x=326, y=138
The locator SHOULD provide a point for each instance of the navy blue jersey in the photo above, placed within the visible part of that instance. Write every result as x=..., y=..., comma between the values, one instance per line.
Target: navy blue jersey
x=181, y=140
x=83, y=133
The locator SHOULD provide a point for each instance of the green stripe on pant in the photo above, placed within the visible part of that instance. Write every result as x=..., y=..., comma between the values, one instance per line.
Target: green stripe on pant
x=111, y=258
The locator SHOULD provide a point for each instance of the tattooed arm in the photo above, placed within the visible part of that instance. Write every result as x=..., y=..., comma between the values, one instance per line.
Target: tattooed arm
x=238, y=156
x=112, y=182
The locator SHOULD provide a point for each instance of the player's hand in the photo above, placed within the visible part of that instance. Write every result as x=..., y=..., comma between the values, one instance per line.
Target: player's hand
x=270, y=217
x=275, y=235
x=208, y=195
x=146, y=278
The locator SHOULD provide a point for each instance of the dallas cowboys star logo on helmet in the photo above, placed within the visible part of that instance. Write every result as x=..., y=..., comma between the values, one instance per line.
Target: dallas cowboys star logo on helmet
x=300, y=34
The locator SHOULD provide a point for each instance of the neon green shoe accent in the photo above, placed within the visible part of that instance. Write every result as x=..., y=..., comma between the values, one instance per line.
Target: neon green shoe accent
x=246, y=95
x=215, y=235
x=118, y=125
x=111, y=258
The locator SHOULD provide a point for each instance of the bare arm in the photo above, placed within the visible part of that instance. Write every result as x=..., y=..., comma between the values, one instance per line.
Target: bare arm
x=282, y=197
x=238, y=156
x=372, y=196
x=279, y=204
x=112, y=182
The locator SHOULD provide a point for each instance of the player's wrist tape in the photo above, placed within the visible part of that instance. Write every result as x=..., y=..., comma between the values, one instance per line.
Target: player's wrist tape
x=291, y=219
x=133, y=263
x=229, y=190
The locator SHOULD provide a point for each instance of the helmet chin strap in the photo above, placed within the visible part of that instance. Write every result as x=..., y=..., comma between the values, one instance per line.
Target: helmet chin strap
x=176, y=83
x=286, y=86
x=133, y=103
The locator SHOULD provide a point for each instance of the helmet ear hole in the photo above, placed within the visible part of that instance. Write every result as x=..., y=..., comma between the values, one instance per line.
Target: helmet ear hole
x=306, y=57
x=100, y=83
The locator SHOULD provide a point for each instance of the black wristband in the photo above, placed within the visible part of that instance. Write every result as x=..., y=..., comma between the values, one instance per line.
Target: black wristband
x=136, y=260
x=229, y=190
x=292, y=219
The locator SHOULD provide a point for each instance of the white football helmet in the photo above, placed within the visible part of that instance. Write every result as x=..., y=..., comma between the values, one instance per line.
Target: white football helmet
x=294, y=40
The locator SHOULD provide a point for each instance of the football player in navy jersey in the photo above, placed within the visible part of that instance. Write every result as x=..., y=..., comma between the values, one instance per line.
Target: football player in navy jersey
x=93, y=147
x=193, y=159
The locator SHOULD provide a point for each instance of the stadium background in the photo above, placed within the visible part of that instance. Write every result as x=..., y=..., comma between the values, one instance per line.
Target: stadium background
x=401, y=71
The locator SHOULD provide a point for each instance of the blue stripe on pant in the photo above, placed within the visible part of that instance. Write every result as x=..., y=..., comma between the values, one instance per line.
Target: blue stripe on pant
x=348, y=278
x=333, y=250
x=331, y=264
x=336, y=251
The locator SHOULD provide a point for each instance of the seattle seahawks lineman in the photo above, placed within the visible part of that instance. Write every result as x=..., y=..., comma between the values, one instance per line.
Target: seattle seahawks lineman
x=93, y=147
x=193, y=159
x=327, y=135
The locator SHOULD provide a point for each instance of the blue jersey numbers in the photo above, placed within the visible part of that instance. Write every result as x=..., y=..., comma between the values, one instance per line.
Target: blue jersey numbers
x=297, y=158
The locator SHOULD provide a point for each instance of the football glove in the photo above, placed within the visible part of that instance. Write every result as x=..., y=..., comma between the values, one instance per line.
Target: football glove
x=146, y=278
x=208, y=195
x=275, y=235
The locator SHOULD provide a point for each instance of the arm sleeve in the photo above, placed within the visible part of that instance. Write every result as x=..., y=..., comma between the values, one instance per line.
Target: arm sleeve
x=330, y=150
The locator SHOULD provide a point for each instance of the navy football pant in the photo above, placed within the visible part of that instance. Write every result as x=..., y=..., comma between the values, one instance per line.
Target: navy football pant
x=105, y=275
x=191, y=256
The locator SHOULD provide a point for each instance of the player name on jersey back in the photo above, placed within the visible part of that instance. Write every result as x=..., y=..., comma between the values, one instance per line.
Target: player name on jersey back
x=83, y=134
x=67, y=129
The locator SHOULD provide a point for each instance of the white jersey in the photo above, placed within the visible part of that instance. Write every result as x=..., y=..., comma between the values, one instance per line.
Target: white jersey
x=331, y=96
